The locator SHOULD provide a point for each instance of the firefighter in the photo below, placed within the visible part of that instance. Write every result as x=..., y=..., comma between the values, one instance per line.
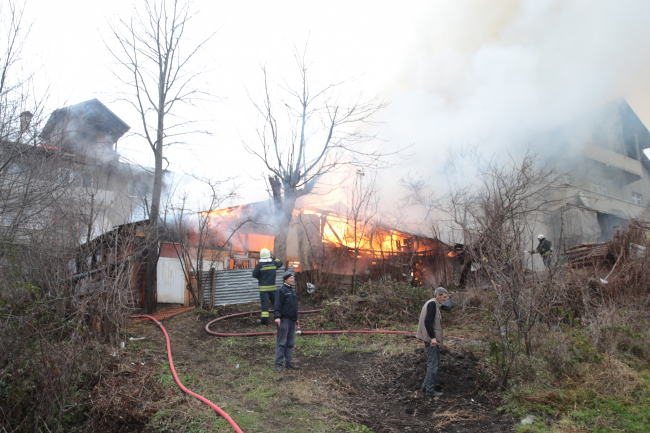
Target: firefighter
x=544, y=249
x=264, y=272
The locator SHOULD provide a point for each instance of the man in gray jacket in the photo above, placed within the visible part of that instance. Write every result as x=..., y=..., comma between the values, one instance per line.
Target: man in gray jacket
x=430, y=331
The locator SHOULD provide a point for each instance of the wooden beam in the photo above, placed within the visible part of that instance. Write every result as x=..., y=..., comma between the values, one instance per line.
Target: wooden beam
x=333, y=231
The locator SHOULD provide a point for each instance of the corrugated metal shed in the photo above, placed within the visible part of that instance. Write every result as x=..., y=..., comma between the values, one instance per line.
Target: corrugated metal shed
x=236, y=286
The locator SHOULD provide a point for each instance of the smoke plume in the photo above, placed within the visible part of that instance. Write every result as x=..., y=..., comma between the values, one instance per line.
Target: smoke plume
x=497, y=74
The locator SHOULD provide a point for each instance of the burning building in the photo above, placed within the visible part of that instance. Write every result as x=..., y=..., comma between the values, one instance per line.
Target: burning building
x=325, y=238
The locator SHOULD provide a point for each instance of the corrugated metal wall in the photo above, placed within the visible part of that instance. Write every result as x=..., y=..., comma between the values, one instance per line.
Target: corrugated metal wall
x=235, y=286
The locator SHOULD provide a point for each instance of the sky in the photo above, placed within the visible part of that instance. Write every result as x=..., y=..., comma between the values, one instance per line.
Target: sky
x=490, y=74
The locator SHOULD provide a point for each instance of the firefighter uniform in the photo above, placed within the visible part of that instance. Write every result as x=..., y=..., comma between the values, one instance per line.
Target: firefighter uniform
x=265, y=272
x=545, y=250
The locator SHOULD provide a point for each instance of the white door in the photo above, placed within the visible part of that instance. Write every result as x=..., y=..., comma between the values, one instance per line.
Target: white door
x=171, y=281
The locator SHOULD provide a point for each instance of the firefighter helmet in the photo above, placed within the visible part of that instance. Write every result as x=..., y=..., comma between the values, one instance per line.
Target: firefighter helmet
x=265, y=253
x=540, y=237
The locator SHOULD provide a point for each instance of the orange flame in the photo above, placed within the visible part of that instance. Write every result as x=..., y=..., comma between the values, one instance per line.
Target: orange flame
x=234, y=211
x=365, y=237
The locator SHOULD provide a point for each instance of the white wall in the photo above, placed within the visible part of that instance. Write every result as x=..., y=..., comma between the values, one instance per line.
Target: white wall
x=171, y=281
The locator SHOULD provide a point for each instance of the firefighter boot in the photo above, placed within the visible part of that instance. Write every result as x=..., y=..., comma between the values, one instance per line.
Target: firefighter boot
x=264, y=321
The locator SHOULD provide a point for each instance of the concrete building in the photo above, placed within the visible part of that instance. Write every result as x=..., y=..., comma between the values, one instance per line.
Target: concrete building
x=606, y=175
x=110, y=191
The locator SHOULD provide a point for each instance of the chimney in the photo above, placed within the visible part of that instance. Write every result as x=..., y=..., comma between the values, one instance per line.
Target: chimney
x=25, y=120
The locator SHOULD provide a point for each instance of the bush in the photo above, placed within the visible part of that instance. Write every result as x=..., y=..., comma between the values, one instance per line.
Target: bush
x=387, y=304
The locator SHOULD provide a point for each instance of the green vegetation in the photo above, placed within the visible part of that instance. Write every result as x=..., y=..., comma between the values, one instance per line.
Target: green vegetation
x=582, y=409
x=257, y=397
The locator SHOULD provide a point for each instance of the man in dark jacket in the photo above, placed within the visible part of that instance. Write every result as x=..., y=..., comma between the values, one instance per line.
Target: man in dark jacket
x=430, y=331
x=286, y=317
x=264, y=272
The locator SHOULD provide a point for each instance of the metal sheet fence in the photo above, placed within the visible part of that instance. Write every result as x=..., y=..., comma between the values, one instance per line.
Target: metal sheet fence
x=235, y=286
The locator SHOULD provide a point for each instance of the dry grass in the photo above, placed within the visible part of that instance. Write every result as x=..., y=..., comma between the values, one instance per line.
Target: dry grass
x=611, y=377
x=387, y=304
x=448, y=417
x=568, y=427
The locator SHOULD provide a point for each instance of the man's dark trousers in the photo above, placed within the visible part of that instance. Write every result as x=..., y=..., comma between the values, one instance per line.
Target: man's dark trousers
x=433, y=361
x=286, y=338
x=264, y=297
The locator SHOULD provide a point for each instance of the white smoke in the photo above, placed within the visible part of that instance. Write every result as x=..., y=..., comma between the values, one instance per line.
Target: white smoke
x=496, y=74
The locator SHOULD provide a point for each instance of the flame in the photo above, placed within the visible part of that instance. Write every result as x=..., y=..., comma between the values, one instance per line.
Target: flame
x=336, y=230
x=367, y=237
x=234, y=211
x=452, y=254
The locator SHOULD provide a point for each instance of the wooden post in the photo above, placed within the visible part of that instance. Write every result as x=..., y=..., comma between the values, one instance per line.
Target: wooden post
x=212, y=287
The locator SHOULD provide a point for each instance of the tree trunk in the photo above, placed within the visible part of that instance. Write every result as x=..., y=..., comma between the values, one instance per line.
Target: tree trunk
x=152, y=237
x=283, y=221
x=276, y=189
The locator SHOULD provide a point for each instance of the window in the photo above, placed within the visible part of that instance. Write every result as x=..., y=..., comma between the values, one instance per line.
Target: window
x=566, y=179
x=133, y=189
x=64, y=175
x=637, y=198
x=71, y=177
x=14, y=169
x=87, y=180
x=598, y=186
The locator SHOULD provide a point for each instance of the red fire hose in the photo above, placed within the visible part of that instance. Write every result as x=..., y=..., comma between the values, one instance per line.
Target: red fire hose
x=255, y=334
x=249, y=334
x=182, y=387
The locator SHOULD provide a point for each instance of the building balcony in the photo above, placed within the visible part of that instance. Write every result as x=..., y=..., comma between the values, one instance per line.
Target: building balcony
x=632, y=168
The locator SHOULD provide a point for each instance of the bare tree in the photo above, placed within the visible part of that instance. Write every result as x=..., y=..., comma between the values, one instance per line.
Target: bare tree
x=48, y=327
x=200, y=237
x=362, y=208
x=152, y=49
x=496, y=216
x=306, y=134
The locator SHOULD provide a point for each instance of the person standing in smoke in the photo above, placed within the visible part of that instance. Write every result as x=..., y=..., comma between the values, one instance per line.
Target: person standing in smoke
x=544, y=249
x=430, y=331
x=286, y=317
x=265, y=272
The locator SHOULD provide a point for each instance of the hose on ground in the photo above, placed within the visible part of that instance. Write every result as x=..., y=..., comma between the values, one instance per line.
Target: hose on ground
x=181, y=386
x=256, y=334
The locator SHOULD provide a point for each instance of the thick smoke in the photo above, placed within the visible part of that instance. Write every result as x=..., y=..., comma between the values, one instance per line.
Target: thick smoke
x=497, y=74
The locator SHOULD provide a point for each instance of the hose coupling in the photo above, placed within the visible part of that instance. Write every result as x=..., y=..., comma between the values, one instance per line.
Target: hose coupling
x=298, y=332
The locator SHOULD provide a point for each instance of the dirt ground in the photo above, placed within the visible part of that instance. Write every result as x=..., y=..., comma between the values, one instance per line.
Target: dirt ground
x=385, y=396
x=363, y=385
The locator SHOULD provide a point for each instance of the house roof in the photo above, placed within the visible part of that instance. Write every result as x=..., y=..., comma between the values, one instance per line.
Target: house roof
x=261, y=212
x=95, y=116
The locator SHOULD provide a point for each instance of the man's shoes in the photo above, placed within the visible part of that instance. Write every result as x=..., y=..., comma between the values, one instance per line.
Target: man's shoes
x=292, y=367
x=278, y=367
x=433, y=394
